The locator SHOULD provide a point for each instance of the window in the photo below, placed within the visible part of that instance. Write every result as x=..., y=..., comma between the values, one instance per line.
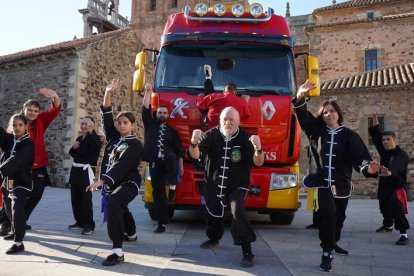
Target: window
x=370, y=15
x=371, y=59
x=381, y=125
x=153, y=5
x=174, y=4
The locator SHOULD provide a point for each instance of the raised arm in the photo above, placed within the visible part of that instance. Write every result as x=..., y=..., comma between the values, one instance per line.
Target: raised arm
x=52, y=95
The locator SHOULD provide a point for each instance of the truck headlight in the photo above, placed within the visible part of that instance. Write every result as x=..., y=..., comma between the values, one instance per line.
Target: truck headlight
x=201, y=9
x=283, y=181
x=256, y=10
x=219, y=9
x=237, y=10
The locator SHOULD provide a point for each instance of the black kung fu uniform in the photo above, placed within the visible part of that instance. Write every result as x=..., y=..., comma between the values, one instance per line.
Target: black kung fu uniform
x=16, y=162
x=122, y=178
x=162, y=147
x=396, y=161
x=228, y=163
x=341, y=150
x=84, y=158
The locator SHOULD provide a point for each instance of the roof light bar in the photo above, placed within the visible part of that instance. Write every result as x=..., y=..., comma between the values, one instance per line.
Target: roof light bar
x=187, y=15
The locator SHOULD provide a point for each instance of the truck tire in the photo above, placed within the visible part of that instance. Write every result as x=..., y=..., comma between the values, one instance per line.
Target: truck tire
x=281, y=218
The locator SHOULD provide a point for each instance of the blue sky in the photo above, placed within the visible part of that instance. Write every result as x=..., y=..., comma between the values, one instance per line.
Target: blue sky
x=27, y=24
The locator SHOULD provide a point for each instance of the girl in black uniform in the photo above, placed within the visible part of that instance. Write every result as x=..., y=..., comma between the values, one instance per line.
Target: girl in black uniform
x=15, y=175
x=341, y=150
x=120, y=177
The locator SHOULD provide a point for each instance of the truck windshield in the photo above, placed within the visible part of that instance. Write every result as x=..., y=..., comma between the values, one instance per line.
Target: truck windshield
x=255, y=70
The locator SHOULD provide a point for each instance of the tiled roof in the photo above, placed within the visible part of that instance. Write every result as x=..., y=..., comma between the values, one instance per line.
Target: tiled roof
x=351, y=4
x=402, y=74
x=383, y=18
x=60, y=47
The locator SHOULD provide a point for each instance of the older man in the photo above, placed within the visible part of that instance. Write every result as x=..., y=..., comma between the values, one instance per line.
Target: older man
x=229, y=154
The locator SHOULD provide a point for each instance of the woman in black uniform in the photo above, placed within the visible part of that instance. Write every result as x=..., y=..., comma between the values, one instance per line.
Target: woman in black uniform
x=16, y=177
x=120, y=177
x=341, y=150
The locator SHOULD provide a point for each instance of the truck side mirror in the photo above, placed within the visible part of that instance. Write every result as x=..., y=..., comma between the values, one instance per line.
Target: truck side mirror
x=139, y=74
x=312, y=74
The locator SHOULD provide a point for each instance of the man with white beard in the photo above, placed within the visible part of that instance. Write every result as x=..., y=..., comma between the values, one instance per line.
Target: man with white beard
x=229, y=153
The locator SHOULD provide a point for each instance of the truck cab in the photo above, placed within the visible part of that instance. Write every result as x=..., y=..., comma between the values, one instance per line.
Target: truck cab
x=253, y=50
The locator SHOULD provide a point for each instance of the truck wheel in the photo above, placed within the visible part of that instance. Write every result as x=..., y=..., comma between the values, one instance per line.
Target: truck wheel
x=152, y=211
x=281, y=218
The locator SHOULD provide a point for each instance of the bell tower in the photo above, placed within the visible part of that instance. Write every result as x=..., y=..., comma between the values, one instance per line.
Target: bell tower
x=102, y=16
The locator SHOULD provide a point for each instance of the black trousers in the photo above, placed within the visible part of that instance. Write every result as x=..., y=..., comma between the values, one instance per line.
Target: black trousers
x=163, y=172
x=81, y=199
x=330, y=218
x=120, y=219
x=40, y=181
x=392, y=211
x=14, y=205
x=4, y=219
x=241, y=230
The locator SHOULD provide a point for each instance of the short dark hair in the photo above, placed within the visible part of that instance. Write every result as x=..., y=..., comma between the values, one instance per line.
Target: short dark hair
x=18, y=116
x=335, y=105
x=231, y=87
x=163, y=106
x=389, y=133
x=128, y=115
x=31, y=102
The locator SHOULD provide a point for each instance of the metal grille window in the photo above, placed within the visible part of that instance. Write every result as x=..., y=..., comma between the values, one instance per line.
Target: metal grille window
x=371, y=59
x=153, y=5
x=370, y=123
x=174, y=4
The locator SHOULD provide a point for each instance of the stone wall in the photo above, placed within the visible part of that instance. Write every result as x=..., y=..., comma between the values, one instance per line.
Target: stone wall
x=21, y=81
x=357, y=107
x=341, y=48
x=80, y=77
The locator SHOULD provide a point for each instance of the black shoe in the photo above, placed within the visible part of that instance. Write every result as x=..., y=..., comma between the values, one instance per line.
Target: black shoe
x=128, y=239
x=14, y=249
x=247, y=260
x=340, y=251
x=312, y=226
x=326, y=264
x=171, y=196
x=74, y=227
x=5, y=228
x=113, y=259
x=209, y=244
x=384, y=229
x=28, y=227
x=9, y=237
x=160, y=229
x=402, y=241
x=87, y=232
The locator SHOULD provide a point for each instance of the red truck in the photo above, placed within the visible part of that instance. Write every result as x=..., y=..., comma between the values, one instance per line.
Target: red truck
x=254, y=50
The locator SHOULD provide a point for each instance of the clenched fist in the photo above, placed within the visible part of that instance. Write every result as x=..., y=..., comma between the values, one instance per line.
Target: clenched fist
x=197, y=135
x=255, y=140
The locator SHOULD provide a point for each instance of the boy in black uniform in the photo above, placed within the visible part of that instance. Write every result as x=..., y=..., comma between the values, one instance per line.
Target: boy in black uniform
x=120, y=177
x=392, y=181
x=16, y=164
x=229, y=153
x=164, y=153
x=85, y=152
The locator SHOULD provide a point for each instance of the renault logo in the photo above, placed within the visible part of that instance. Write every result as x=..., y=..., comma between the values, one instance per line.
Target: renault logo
x=268, y=110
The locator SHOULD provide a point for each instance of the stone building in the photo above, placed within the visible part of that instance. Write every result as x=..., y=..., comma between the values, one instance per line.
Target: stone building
x=366, y=53
x=79, y=71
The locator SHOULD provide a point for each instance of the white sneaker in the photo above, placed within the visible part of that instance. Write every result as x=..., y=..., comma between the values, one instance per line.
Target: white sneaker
x=207, y=70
